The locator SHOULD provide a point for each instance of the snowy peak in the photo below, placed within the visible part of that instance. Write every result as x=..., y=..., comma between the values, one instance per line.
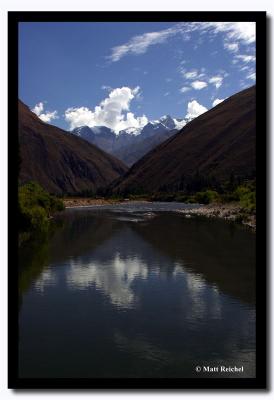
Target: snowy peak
x=168, y=122
x=132, y=143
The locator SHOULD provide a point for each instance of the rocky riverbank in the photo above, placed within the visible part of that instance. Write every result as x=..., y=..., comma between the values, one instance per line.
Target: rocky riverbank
x=230, y=212
x=82, y=201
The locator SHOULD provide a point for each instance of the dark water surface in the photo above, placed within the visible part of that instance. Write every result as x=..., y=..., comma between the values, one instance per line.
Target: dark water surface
x=137, y=291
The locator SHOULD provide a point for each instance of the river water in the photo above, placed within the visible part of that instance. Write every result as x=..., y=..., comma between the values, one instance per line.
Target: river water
x=138, y=290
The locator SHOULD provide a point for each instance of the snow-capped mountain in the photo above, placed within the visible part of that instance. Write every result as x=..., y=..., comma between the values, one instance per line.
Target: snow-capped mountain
x=132, y=143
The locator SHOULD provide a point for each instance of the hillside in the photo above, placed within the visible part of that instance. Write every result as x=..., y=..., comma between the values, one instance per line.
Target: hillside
x=60, y=162
x=206, y=152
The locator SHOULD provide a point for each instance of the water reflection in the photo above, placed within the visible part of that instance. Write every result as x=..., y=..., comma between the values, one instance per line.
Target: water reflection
x=47, y=278
x=147, y=296
x=113, y=278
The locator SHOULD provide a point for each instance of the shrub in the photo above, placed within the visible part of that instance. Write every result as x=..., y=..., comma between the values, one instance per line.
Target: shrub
x=206, y=197
x=36, y=207
x=247, y=198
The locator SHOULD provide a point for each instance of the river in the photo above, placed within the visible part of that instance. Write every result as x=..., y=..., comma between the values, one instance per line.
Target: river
x=137, y=290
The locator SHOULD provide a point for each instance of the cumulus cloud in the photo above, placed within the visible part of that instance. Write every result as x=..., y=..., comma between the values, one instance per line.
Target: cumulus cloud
x=217, y=101
x=233, y=32
x=216, y=80
x=198, y=85
x=111, y=112
x=194, y=109
x=46, y=116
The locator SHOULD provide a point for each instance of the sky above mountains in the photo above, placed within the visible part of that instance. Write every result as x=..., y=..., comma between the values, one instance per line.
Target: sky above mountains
x=122, y=75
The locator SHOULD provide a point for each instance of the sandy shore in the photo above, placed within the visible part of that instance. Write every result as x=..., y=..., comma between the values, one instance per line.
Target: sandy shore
x=230, y=212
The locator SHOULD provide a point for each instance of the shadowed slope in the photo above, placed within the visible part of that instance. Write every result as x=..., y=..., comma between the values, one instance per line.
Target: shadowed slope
x=59, y=161
x=206, y=151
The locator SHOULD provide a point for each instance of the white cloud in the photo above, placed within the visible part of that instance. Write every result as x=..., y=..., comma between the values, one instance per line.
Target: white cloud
x=244, y=68
x=185, y=89
x=242, y=31
x=179, y=124
x=140, y=43
x=167, y=94
x=216, y=80
x=246, y=58
x=191, y=74
x=217, y=101
x=106, y=87
x=194, y=109
x=111, y=112
x=233, y=32
x=46, y=116
x=198, y=85
x=38, y=108
x=233, y=47
x=251, y=76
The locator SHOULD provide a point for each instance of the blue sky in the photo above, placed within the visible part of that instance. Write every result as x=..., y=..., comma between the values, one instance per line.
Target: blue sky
x=123, y=74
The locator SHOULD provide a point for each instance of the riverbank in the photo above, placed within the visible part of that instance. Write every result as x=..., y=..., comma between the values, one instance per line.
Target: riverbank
x=85, y=202
x=230, y=212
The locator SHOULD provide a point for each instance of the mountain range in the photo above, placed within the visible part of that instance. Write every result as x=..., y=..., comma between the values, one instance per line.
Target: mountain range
x=207, y=152
x=60, y=162
x=131, y=144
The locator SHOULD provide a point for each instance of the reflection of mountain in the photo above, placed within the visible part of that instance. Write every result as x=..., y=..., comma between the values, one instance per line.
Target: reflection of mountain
x=81, y=233
x=131, y=293
x=114, y=264
x=33, y=259
x=207, y=251
x=224, y=255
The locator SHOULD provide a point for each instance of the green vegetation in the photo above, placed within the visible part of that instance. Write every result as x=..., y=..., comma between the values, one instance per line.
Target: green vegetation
x=35, y=208
x=206, y=197
x=243, y=195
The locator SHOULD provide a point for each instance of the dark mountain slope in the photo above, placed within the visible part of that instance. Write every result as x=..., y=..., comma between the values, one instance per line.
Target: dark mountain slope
x=129, y=154
x=59, y=161
x=205, y=152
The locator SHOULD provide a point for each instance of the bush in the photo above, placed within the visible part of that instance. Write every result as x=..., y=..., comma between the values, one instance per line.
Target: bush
x=36, y=206
x=247, y=198
x=206, y=197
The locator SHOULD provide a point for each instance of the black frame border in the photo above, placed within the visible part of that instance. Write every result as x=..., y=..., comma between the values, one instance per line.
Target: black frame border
x=260, y=382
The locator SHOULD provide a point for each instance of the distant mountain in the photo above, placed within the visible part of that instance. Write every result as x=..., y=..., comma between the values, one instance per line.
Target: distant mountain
x=207, y=151
x=132, y=143
x=60, y=162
